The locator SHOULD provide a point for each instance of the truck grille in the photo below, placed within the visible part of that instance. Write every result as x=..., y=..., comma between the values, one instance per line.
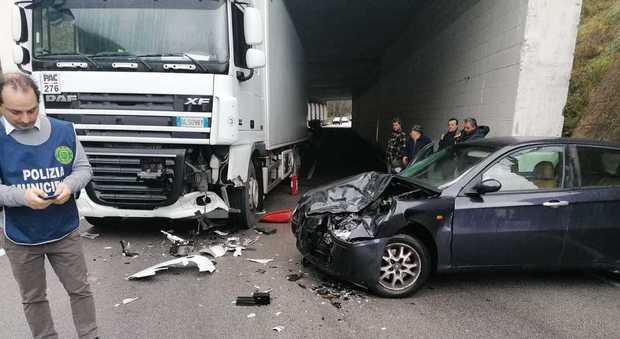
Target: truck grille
x=138, y=102
x=136, y=179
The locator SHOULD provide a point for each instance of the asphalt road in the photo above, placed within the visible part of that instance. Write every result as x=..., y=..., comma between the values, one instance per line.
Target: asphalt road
x=183, y=303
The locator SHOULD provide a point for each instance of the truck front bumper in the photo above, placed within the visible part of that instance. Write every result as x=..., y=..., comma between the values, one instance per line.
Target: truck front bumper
x=185, y=207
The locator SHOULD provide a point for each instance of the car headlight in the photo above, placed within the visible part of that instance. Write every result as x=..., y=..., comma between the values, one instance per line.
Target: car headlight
x=349, y=227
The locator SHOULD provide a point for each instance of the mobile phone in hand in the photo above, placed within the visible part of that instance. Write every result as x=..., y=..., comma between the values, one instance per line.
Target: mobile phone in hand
x=50, y=197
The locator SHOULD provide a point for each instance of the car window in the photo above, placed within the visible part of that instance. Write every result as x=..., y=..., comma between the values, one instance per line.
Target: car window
x=598, y=166
x=537, y=168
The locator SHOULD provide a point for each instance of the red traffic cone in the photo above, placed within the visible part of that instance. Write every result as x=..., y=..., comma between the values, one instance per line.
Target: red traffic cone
x=278, y=217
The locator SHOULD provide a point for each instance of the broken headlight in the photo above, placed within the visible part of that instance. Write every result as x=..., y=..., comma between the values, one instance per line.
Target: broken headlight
x=349, y=227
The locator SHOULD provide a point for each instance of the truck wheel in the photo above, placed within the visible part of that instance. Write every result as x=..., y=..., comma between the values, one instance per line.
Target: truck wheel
x=248, y=199
x=405, y=267
x=103, y=222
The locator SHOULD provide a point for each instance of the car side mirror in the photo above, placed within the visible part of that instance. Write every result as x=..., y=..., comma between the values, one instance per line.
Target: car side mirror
x=488, y=186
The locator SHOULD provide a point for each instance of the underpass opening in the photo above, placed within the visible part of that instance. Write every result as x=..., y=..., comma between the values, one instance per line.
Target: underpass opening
x=506, y=63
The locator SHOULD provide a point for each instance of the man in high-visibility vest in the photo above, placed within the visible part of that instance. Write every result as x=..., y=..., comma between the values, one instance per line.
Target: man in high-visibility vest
x=42, y=165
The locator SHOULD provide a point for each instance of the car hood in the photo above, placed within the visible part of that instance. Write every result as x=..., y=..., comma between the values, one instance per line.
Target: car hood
x=349, y=195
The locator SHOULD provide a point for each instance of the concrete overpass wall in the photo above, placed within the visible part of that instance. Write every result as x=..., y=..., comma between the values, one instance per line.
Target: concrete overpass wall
x=505, y=62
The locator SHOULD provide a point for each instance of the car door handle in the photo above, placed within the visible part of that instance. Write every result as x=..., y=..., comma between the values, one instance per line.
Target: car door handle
x=555, y=203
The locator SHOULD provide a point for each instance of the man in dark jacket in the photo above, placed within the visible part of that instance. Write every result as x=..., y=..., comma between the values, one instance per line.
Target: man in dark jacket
x=449, y=138
x=416, y=141
x=395, y=146
x=471, y=131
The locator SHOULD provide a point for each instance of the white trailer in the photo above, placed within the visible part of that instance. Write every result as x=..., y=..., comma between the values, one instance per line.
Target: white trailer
x=183, y=106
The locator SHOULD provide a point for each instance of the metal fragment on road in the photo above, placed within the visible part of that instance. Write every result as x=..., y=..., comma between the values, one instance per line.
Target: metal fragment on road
x=261, y=261
x=91, y=236
x=278, y=328
x=203, y=264
x=128, y=300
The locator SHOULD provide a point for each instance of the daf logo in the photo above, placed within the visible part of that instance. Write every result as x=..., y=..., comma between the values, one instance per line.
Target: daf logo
x=197, y=101
x=61, y=97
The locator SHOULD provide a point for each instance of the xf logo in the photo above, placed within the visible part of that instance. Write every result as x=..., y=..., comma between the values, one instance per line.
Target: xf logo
x=197, y=101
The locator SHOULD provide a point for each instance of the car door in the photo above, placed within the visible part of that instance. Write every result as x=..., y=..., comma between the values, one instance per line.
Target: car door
x=523, y=224
x=593, y=237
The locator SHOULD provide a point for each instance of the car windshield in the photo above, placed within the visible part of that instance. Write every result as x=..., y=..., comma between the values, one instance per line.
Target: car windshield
x=441, y=169
x=131, y=28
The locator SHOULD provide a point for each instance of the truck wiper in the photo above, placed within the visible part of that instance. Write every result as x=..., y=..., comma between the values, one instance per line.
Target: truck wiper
x=80, y=55
x=124, y=54
x=196, y=63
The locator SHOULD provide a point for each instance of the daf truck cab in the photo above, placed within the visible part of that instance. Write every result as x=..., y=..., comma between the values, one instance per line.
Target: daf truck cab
x=185, y=107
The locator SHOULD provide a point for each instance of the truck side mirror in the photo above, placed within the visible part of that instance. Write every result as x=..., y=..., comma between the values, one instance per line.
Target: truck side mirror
x=21, y=56
x=255, y=58
x=253, y=26
x=20, y=24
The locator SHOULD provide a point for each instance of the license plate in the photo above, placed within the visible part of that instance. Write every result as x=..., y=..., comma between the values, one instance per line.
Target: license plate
x=191, y=122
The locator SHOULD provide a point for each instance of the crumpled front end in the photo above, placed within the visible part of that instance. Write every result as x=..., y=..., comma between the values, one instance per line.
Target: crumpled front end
x=339, y=227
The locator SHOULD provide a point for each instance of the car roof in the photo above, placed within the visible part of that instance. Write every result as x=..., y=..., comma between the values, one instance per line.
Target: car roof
x=500, y=142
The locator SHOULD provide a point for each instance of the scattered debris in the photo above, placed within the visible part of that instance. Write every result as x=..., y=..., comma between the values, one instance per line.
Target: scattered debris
x=302, y=286
x=238, y=252
x=257, y=299
x=261, y=261
x=126, y=301
x=203, y=264
x=278, y=314
x=335, y=293
x=125, y=246
x=261, y=271
x=294, y=276
x=215, y=251
x=181, y=250
x=251, y=315
x=91, y=236
x=220, y=233
x=174, y=239
x=278, y=328
x=383, y=328
x=2, y=252
x=265, y=230
x=107, y=248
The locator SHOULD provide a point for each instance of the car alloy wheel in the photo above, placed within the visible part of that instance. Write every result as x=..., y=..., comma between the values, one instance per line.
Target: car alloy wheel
x=400, y=266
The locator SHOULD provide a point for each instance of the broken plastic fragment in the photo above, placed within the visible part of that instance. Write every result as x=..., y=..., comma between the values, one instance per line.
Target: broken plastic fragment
x=251, y=315
x=216, y=251
x=175, y=239
x=257, y=299
x=2, y=252
x=278, y=328
x=129, y=300
x=261, y=261
x=125, y=246
x=238, y=252
x=90, y=236
x=203, y=264
x=220, y=233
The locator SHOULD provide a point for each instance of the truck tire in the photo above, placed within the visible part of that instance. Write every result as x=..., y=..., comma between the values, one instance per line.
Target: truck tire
x=405, y=267
x=248, y=199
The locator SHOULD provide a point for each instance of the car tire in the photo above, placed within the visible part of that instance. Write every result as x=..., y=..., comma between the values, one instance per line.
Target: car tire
x=248, y=203
x=405, y=267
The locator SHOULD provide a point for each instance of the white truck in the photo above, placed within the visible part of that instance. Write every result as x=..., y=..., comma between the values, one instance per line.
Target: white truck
x=184, y=107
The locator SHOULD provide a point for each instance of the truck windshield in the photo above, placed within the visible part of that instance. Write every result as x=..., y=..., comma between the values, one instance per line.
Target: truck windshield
x=122, y=28
x=443, y=168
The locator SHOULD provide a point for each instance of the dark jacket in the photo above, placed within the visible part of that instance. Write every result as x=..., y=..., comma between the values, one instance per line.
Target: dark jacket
x=394, y=147
x=447, y=140
x=478, y=133
x=413, y=147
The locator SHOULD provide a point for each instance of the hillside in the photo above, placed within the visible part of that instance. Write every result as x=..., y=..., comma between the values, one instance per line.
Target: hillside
x=593, y=107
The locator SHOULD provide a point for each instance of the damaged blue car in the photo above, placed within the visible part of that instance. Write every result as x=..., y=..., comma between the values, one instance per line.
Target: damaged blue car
x=498, y=203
